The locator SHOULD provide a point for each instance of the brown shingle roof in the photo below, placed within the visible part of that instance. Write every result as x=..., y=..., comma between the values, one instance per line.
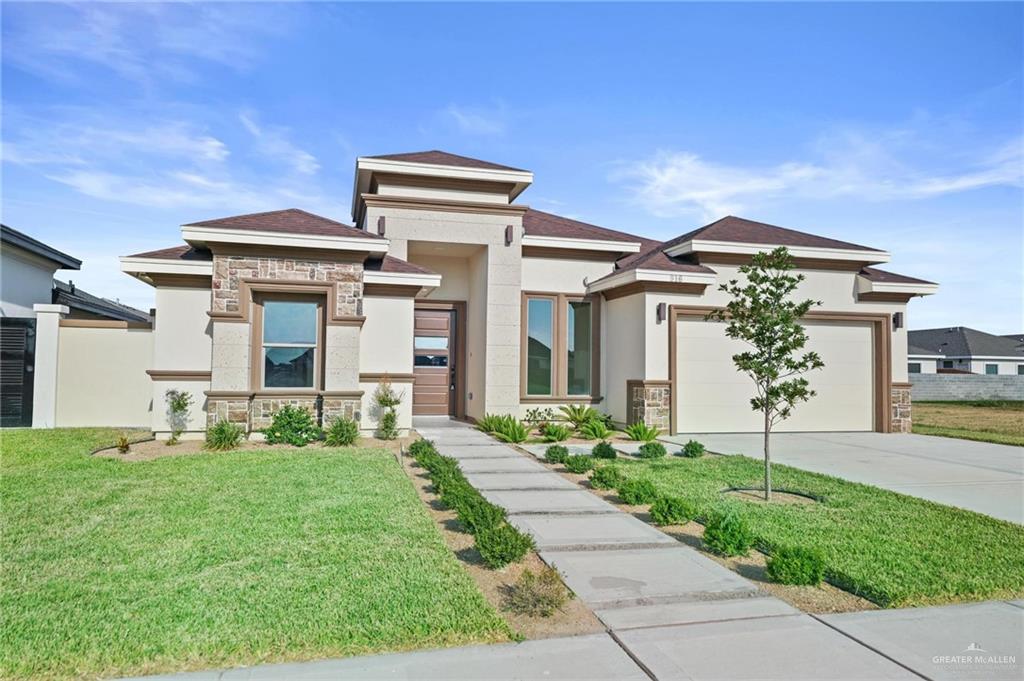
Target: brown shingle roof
x=290, y=220
x=539, y=223
x=185, y=252
x=741, y=230
x=875, y=274
x=390, y=263
x=443, y=158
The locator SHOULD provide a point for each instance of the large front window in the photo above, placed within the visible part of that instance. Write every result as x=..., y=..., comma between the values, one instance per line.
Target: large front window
x=290, y=332
x=579, y=348
x=559, y=348
x=540, y=337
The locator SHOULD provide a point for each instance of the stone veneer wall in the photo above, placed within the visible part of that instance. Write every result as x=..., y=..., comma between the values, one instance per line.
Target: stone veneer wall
x=650, y=402
x=229, y=270
x=901, y=411
x=346, y=407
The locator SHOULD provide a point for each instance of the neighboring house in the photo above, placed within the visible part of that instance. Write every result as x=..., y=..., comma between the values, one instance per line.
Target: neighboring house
x=469, y=303
x=959, y=349
x=83, y=305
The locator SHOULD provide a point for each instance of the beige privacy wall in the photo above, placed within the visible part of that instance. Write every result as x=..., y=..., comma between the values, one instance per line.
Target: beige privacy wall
x=101, y=377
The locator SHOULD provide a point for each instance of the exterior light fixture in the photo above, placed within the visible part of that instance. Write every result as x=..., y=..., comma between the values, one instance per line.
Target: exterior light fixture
x=662, y=312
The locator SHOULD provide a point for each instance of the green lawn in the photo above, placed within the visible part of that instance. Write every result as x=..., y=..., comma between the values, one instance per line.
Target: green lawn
x=114, y=568
x=999, y=421
x=892, y=549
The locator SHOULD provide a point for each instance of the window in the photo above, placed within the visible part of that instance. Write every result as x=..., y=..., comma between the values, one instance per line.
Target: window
x=559, y=348
x=289, y=345
x=431, y=342
x=1020, y=369
x=914, y=368
x=991, y=369
x=947, y=364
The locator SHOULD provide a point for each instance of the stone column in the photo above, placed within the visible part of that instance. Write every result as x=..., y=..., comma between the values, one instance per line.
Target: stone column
x=229, y=377
x=44, y=395
x=901, y=408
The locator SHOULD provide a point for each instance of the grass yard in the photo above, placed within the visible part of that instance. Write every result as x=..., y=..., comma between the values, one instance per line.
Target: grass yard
x=892, y=549
x=113, y=568
x=998, y=421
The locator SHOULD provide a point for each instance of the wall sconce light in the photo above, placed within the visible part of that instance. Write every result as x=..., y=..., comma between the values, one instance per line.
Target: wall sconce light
x=897, y=321
x=662, y=312
x=508, y=235
x=380, y=225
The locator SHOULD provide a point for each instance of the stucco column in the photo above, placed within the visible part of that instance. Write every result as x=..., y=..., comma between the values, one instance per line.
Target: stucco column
x=44, y=395
x=341, y=396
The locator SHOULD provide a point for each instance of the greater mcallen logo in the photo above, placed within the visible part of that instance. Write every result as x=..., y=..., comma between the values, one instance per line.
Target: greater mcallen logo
x=974, y=654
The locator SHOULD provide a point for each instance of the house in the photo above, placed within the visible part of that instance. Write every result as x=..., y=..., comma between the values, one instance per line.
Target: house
x=468, y=302
x=959, y=349
x=84, y=305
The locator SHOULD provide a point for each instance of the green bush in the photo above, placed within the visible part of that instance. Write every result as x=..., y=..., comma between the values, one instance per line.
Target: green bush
x=477, y=514
x=341, y=432
x=595, y=429
x=556, y=454
x=796, y=565
x=641, y=432
x=292, y=425
x=501, y=545
x=555, y=432
x=577, y=414
x=671, y=510
x=728, y=534
x=692, y=450
x=387, y=427
x=512, y=430
x=606, y=477
x=224, y=435
x=537, y=594
x=489, y=423
x=421, y=448
x=603, y=450
x=637, y=491
x=651, y=450
x=578, y=463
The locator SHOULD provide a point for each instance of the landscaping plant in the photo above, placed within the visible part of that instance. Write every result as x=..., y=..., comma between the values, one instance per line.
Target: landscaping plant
x=387, y=401
x=641, y=432
x=606, y=477
x=178, y=404
x=595, y=429
x=762, y=315
x=477, y=514
x=603, y=450
x=224, y=435
x=556, y=454
x=578, y=414
x=637, y=491
x=512, y=430
x=728, y=534
x=578, y=463
x=692, y=450
x=670, y=510
x=538, y=594
x=489, y=423
x=555, y=432
x=538, y=416
x=651, y=450
x=341, y=432
x=501, y=545
x=796, y=565
x=124, y=445
x=292, y=425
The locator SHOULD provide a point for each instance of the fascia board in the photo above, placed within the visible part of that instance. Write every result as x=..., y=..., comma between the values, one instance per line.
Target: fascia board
x=704, y=246
x=402, y=279
x=663, y=276
x=582, y=244
x=205, y=235
x=133, y=265
x=865, y=285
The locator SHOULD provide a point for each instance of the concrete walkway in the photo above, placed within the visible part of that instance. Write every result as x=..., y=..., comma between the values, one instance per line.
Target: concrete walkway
x=979, y=476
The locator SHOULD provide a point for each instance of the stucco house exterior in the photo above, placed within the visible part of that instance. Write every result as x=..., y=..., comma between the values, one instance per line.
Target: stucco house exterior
x=470, y=302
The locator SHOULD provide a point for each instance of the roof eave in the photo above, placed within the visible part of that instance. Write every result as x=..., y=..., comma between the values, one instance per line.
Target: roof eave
x=606, y=245
x=696, y=246
x=866, y=285
x=201, y=237
x=655, y=276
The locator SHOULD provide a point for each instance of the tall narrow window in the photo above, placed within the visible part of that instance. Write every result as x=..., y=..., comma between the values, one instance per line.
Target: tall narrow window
x=579, y=347
x=540, y=313
x=290, y=330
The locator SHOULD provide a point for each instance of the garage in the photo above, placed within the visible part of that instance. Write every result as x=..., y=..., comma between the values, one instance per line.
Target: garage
x=711, y=396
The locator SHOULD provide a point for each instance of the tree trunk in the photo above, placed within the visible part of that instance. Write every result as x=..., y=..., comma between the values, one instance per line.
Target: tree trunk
x=767, y=459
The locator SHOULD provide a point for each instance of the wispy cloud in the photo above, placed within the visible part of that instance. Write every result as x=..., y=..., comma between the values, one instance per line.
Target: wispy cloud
x=871, y=168
x=273, y=142
x=477, y=121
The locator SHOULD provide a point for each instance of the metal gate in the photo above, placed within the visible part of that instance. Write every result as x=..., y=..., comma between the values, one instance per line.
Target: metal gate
x=17, y=359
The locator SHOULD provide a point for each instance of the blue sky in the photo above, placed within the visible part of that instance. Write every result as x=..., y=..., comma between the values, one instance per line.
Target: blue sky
x=897, y=126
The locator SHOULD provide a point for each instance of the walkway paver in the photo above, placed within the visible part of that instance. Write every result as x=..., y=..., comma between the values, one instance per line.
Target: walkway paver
x=487, y=451
x=690, y=612
x=502, y=465
x=583, y=531
x=518, y=481
x=569, y=501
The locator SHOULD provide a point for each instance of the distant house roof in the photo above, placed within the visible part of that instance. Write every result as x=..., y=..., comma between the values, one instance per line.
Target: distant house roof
x=539, y=223
x=77, y=299
x=960, y=341
x=913, y=350
x=185, y=252
x=13, y=237
x=443, y=158
x=290, y=220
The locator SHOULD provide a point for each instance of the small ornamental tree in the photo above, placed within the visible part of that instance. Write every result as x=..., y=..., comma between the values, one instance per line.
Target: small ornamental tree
x=387, y=402
x=178, y=404
x=763, y=315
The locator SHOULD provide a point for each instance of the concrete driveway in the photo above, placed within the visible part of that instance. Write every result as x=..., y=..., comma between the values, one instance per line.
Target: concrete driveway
x=979, y=476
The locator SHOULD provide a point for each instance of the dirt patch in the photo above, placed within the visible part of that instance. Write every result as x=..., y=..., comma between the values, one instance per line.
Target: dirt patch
x=781, y=498
x=823, y=599
x=574, y=618
x=148, y=450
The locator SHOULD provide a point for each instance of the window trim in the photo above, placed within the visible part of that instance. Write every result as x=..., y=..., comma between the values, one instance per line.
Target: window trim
x=559, y=359
x=256, y=360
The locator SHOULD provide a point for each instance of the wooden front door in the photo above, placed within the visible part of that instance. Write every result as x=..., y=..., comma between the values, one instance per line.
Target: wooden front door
x=434, y=364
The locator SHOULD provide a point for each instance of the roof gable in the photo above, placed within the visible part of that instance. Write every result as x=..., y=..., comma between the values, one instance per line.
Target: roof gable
x=443, y=158
x=740, y=230
x=288, y=221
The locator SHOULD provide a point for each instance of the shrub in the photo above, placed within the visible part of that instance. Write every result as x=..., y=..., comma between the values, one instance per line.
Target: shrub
x=224, y=435
x=341, y=432
x=578, y=414
x=595, y=429
x=178, y=404
x=556, y=454
x=641, y=432
x=796, y=565
x=292, y=425
x=651, y=450
x=606, y=477
x=477, y=514
x=501, y=545
x=555, y=432
x=578, y=463
x=637, y=491
x=512, y=430
x=421, y=448
x=387, y=400
x=123, y=444
x=489, y=423
x=387, y=427
x=603, y=450
x=538, y=416
x=537, y=594
x=728, y=534
x=692, y=450
x=671, y=510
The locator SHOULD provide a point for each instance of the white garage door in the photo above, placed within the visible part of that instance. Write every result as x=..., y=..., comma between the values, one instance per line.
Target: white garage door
x=713, y=397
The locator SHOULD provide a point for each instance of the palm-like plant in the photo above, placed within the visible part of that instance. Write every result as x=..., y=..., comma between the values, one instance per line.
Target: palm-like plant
x=555, y=432
x=595, y=429
x=512, y=430
x=578, y=414
x=641, y=432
